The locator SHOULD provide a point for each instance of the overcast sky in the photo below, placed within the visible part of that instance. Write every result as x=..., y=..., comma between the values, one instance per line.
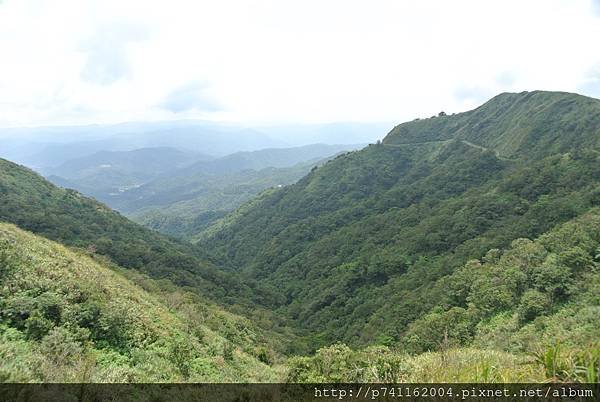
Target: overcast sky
x=79, y=62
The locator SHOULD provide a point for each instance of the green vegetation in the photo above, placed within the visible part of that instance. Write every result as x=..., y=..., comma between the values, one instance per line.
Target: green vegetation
x=34, y=204
x=462, y=248
x=528, y=125
x=339, y=363
x=181, y=193
x=106, y=174
x=526, y=314
x=66, y=316
x=376, y=233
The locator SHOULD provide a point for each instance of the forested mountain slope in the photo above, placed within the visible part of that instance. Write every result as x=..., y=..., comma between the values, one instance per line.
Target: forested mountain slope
x=527, y=313
x=356, y=247
x=270, y=157
x=461, y=248
x=141, y=164
x=162, y=188
x=34, y=204
x=70, y=316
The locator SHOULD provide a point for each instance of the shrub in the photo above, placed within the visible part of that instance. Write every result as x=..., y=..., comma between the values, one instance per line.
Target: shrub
x=533, y=303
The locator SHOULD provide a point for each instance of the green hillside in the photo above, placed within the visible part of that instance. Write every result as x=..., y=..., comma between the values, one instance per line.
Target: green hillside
x=66, y=316
x=205, y=181
x=34, y=204
x=524, y=314
x=527, y=125
x=371, y=234
x=163, y=189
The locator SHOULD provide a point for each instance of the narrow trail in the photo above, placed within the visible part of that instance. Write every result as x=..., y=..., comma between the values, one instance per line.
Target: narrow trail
x=480, y=147
x=487, y=149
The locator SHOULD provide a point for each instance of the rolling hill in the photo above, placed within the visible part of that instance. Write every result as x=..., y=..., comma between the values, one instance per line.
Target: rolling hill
x=528, y=125
x=201, y=199
x=106, y=174
x=179, y=193
x=44, y=148
x=198, y=179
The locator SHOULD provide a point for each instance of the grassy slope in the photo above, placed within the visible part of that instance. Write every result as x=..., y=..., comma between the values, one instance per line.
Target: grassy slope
x=371, y=248
x=68, y=316
x=528, y=125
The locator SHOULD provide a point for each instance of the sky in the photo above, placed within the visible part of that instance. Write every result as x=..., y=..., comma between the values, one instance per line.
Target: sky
x=279, y=61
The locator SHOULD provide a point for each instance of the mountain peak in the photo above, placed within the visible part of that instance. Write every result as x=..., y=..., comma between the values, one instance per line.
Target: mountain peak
x=515, y=125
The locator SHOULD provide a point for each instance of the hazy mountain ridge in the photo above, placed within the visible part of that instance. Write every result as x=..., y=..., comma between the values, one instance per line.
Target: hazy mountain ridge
x=109, y=173
x=131, y=181
x=179, y=193
x=43, y=148
x=150, y=161
x=209, y=197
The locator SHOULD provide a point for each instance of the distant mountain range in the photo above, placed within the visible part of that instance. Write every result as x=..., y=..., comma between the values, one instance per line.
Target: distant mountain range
x=114, y=171
x=180, y=192
x=47, y=147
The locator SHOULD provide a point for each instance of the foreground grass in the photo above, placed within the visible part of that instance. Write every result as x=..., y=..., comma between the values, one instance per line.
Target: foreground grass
x=67, y=317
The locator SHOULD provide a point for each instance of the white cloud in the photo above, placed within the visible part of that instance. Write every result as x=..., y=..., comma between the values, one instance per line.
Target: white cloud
x=106, y=53
x=84, y=61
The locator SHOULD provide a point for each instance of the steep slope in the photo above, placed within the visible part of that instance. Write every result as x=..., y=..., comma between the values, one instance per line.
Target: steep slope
x=526, y=125
x=32, y=203
x=66, y=316
x=527, y=313
x=363, y=238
